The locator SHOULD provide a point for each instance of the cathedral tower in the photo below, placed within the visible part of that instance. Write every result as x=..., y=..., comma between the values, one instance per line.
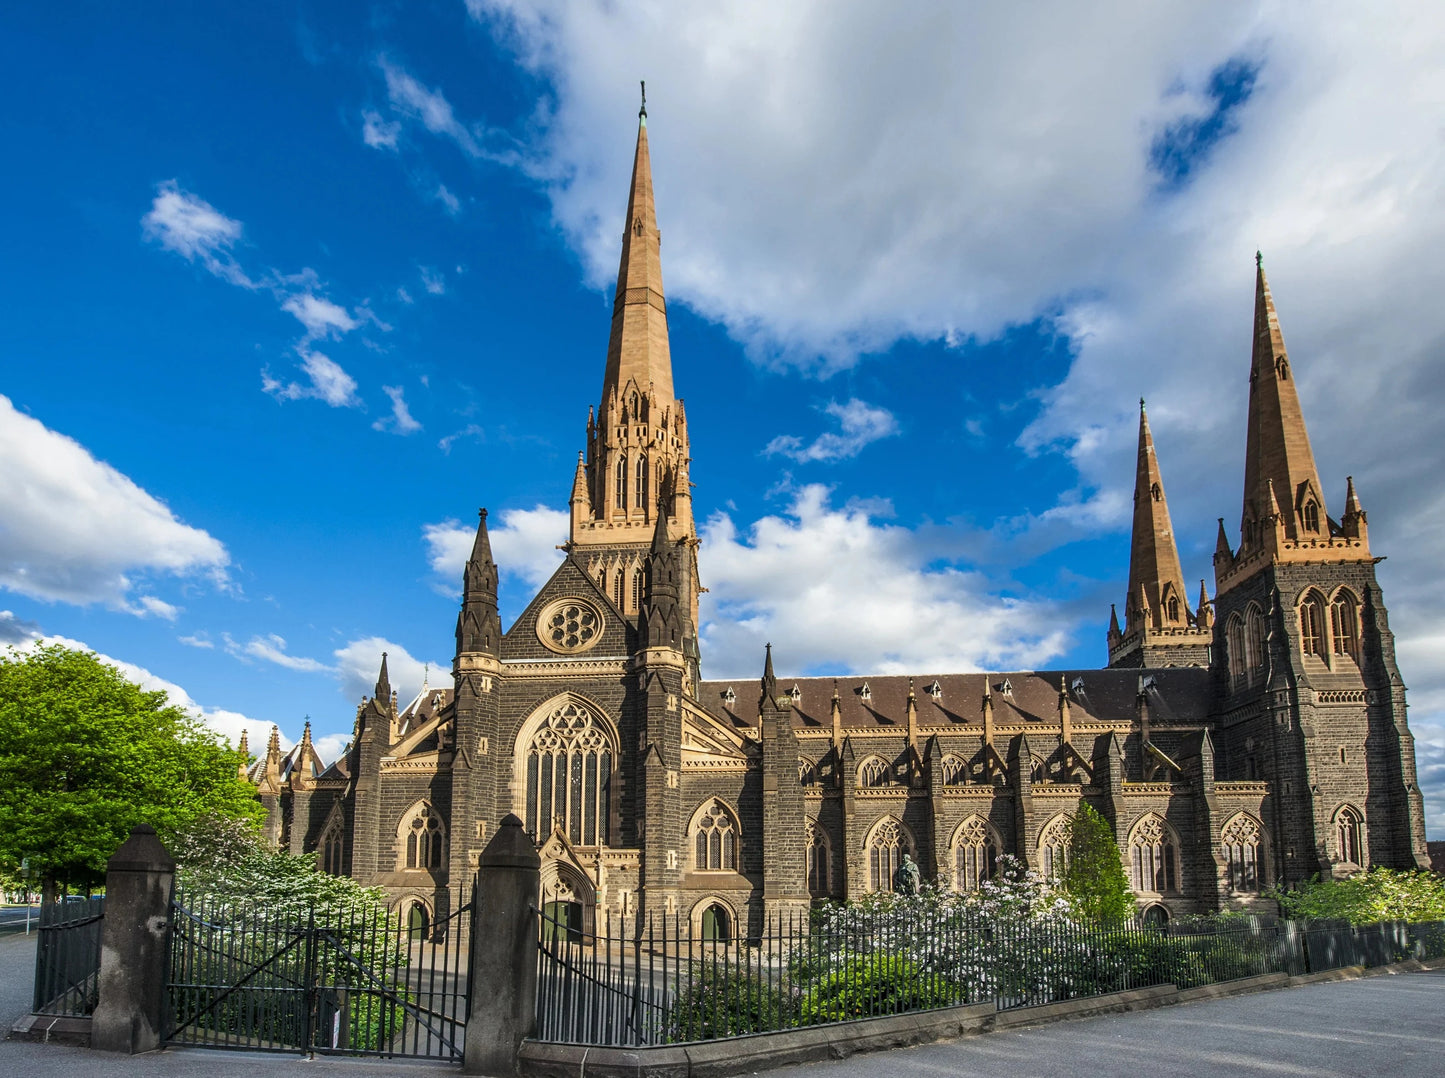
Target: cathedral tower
x=1159, y=628
x=1303, y=658
x=636, y=464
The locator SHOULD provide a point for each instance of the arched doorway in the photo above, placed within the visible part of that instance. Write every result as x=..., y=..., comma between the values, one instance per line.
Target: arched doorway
x=562, y=922
x=418, y=922
x=1155, y=916
x=716, y=925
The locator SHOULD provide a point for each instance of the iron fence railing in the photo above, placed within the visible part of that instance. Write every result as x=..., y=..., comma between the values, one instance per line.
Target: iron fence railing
x=658, y=980
x=346, y=978
x=67, y=956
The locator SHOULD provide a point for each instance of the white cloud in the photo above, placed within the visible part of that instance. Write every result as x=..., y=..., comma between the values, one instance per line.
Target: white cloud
x=433, y=281
x=199, y=639
x=378, y=132
x=832, y=588
x=860, y=424
x=321, y=317
x=400, y=421
x=471, y=430
x=150, y=606
x=450, y=201
x=358, y=663
x=326, y=381
x=405, y=296
x=194, y=229
x=271, y=648
x=228, y=724
x=524, y=545
x=15, y=629
x=76, y=530
x=410, y=98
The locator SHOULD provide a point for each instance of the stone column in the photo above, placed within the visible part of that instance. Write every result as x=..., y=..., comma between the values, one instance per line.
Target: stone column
x=504, y=952
x=133, y=951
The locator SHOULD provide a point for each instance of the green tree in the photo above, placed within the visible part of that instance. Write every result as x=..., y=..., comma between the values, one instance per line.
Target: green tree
x=85, y=755
x=1382, y=894
x=1095, y=877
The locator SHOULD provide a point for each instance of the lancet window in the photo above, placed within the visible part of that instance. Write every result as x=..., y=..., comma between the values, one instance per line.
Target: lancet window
x=1254, y=638
x=642, y=485
x=886, y=847
x=1344, y=631
x=715, y=839
x=1312, y=626
x=819, y=882
x=1240, y=842
x=423, y=838
x=1054, y=846
x=975, y=854
x=1153, y=855
x=333, y=849
x=873, y=772
x=622, y=482
x=955, y=771
x=569, y=776
x=1348, y=843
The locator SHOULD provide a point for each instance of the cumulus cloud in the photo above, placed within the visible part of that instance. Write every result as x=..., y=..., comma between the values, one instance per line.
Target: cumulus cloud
x=194, y=229
x=1107, y=172
x=78, y=531
x=358, y=663
x=840, y=591
x=400, y=421
x=859, y=425
x=524, y=544
x=326, y=380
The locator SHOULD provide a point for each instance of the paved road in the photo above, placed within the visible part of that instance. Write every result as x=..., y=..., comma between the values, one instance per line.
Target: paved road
x=1376, y=1027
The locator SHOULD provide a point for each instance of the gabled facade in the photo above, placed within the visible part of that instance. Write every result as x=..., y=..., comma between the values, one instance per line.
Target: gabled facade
x=1255, y=738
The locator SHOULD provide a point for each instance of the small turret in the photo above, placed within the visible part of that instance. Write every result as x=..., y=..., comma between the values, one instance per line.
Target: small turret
x=1355, y=523
x=661, y=620
x=479, y=627
x=244, y=748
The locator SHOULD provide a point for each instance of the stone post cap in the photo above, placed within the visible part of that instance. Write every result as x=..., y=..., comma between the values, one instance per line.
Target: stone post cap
x=142, y=852
x=510, y=847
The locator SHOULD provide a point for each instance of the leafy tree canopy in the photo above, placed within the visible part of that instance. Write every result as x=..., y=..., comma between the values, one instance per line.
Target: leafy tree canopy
x=1095, y=877
x=85, y=755
x=1382, y=894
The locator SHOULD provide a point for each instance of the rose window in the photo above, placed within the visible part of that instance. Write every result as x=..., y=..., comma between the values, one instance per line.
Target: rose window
x=570, y=625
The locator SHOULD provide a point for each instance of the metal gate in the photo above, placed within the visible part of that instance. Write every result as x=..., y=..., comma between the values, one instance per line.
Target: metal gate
x=349, y=980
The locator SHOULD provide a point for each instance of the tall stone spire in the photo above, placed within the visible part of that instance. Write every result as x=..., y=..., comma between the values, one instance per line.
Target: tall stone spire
x=635, y=468
x=382, y=692
x=1158, y=626
x=1155, y=577
x=1277, y=448
x=479, y=628
x=638, y=351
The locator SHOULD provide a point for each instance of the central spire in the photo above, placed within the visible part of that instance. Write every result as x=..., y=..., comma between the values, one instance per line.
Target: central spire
x=638, y=354
x=1277, y=447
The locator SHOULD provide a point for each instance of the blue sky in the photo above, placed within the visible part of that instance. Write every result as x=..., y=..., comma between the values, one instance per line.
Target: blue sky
x=292, y=290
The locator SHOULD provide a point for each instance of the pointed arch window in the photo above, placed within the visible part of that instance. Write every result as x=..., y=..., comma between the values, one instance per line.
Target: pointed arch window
x=569, y=776
x=1171, y=608
x=1240, y=840
x=1312, y=516
x=955, y=771
x=1254, y=639
x=423, y=838
x=1348, y=837
x=886, y=847
x=975, y=854
x=1312, y=626
x=641, y=501
x=1054, y=847
x=1234, y=646
x=873, y=772
x=819, y=881
x=333, y=849
x=622, y=481
x=1344, y=627
x=715, y=839
x=1153, y=855
x=618, y=590
x=637, y=589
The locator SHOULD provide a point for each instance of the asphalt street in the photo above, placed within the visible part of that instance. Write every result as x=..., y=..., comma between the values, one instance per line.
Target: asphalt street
x=1378, y=1026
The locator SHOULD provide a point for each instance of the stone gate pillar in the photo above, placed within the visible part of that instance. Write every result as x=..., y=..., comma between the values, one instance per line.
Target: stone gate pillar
x=504, y=952
x=133, y=946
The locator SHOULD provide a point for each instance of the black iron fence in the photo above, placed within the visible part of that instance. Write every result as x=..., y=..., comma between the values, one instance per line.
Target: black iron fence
x=67, y=956
x=339, y=979
x=659, y=982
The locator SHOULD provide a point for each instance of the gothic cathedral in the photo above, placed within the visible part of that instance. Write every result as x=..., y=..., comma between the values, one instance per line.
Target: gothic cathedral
x=1255, y=738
